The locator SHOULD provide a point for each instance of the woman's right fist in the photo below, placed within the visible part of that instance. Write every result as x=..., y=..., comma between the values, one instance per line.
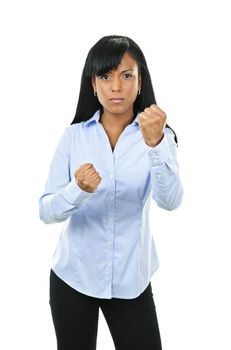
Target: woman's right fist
x=87, y=178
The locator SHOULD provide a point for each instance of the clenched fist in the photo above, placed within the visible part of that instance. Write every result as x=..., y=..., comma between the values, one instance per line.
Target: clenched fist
x=87, y=178
x=152, y=122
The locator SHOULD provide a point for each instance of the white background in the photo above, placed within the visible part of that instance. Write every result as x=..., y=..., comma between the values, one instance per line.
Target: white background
x=43, y=49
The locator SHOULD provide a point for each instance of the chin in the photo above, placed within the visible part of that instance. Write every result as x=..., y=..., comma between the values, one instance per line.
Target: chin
x=116, y=109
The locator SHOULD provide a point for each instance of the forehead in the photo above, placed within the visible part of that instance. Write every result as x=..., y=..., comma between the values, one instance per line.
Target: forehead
x=127, y=62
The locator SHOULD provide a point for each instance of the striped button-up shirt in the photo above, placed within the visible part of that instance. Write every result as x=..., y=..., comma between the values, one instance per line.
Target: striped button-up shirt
x=106, y=247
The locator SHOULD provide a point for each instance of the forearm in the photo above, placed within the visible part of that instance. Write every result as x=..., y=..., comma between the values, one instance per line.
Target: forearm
x=57, y=207
x=167, y=189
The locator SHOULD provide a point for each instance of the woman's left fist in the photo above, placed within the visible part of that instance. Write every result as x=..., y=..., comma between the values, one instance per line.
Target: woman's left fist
x=152, y=122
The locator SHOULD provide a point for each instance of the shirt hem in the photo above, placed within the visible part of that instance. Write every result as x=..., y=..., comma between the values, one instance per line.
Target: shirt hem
x=82, y=291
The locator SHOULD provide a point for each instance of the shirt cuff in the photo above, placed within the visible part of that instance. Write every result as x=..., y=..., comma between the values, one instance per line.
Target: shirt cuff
x=74, y=194
x=160, y=153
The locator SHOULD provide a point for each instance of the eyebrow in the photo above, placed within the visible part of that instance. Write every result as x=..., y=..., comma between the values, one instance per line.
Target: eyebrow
x=124, y=70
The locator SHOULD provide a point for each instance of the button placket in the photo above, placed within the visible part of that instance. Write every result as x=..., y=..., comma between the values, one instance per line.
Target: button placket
x=110, y=225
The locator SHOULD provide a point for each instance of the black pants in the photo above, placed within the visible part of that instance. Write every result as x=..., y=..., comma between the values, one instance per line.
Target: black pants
x=132, y=322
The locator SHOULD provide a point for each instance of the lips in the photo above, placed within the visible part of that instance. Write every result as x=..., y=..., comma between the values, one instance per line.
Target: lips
x=117, y=99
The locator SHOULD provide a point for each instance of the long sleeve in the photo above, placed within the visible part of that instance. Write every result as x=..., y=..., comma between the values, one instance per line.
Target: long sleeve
x=167, y=190
x=62, y=196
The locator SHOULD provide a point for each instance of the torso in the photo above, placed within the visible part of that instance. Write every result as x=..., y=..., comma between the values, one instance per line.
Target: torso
x=113, y=135
x=113, y=139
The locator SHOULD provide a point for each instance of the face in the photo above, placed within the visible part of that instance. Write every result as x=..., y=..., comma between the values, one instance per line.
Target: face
x=123, y=82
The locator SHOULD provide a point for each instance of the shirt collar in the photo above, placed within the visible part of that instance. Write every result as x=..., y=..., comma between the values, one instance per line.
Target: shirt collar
x=96, y=117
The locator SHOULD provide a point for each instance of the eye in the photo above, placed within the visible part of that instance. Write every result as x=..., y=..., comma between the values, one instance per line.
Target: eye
x=127, y=74
x=104, y=75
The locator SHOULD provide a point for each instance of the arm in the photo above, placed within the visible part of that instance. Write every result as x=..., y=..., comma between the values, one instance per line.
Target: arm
x=167, y=188
x=62, y=196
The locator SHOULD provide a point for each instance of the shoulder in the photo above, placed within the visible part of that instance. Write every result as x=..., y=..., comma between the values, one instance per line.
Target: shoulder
x=73, y=129
x=70, y=132
x=170, y=135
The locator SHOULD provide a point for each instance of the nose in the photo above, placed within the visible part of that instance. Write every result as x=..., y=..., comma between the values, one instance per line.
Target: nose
x=116, y=84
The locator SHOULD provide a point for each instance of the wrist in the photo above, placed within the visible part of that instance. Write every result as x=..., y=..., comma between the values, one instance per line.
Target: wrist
x=153, y=142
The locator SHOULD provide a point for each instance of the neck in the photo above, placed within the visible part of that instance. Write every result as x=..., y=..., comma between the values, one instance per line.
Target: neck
x=116, y=122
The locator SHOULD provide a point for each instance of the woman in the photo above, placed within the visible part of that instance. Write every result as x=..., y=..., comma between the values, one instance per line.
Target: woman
x=116, y=156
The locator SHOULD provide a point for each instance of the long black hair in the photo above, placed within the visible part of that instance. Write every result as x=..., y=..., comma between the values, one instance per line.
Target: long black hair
x=103, y=57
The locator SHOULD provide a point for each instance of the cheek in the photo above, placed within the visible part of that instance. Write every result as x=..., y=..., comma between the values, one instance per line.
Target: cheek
x=104, y=92
x=133, y=90
x=133, y=87
x=103, y=96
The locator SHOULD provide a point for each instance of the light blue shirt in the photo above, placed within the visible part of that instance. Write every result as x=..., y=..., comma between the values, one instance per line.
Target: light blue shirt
x=106, y=247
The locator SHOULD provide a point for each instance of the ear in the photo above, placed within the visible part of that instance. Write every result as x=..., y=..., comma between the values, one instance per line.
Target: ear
x=139, y=82
x=93, y=83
